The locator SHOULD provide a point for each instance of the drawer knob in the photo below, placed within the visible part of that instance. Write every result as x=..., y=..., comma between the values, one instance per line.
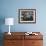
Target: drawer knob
x=33, y=42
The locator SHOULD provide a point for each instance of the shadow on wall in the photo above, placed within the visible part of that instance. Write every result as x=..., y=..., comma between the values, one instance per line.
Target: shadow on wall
x=2, y=21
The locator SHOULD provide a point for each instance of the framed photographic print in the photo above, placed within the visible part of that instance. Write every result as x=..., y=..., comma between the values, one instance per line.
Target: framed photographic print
x=27, y=16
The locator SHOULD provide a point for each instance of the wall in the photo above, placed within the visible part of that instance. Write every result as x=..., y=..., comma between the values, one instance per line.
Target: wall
x=9, y=8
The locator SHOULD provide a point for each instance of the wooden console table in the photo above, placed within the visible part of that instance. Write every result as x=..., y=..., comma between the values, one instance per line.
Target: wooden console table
x=20, y=39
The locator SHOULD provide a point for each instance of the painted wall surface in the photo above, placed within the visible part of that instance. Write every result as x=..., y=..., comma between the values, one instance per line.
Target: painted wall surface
x=9, y=8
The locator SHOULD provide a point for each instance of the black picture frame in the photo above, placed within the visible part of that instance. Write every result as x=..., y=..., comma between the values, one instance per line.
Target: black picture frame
x=27, y=16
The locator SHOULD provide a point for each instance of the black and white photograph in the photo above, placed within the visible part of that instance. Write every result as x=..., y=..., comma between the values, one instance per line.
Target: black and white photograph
x=27, y=15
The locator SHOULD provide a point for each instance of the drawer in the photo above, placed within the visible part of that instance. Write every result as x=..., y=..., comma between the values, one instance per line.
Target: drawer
x=13, y=43
x=37, y=43
x=19, y=37
x=16, y=37
x=19, y=42
x=34, y=37
x=9, y=43
x=33, y=43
